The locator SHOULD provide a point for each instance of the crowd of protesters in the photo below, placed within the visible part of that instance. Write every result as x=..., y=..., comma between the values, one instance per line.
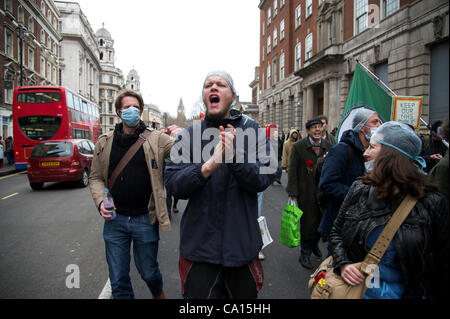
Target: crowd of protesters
x=363, y=177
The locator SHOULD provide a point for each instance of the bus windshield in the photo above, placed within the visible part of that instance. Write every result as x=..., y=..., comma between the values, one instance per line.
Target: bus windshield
x=39, y=127
x=39, y=97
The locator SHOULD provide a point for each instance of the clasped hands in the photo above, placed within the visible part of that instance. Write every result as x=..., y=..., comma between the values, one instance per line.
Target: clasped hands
x=223, y=152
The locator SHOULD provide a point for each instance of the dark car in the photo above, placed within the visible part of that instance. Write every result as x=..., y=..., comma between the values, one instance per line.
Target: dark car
x=60, y=161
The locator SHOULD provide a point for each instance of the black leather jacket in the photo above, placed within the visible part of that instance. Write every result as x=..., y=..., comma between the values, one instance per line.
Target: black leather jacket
x=422, y=242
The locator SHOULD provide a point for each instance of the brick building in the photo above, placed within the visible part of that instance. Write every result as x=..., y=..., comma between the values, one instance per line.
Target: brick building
x=29, y=32
x=309, y=48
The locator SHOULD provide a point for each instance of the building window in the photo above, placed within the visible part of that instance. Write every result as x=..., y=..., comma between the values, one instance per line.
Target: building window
x=111, y=121
x=42, y=67
x=31, y=24
x=263, y=81
x=282, y=30
x=308, y=46
x=282, y=3
x=275, y=7
x=53, y=74
x=361, y=15
x=268, y=44
x=308, y=8
x=110, y=107
x=275, y=37
x=268, y=76
x=31, y=58
x=298, y=19
x=48, y=71
x=49, y=42
x=8, y=43
x=269, y=16
x=8, y=6
x=390, y=6
x=282, y=67
x=48, y=15
x=264, y=52
x=9, y=77
x=275, y=70
x=298, y=56
x=42, y=6
x=42, y=36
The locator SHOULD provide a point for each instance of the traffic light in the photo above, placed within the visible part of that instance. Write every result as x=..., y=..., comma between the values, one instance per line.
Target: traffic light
x=154, y=123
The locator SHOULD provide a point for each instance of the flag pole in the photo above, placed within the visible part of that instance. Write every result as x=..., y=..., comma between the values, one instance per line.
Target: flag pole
x=387, y=87
x=376, y=77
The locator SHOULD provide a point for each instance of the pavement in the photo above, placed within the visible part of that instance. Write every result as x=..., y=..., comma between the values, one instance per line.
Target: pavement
x=8, y=169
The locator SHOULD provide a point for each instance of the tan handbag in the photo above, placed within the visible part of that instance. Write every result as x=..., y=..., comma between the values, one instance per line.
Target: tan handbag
x=325, y=284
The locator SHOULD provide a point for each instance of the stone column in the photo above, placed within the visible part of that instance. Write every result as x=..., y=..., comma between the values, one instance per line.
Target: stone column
x=326, y=98
x=333, y=102
x=308, y=106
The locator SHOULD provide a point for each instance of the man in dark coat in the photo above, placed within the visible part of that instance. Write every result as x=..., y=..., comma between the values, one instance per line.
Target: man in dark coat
x=302, y=187
x=344, y=164
x=220, y=236
x=436, y=149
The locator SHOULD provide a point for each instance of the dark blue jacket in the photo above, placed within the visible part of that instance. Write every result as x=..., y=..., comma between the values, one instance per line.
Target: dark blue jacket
x=338, y=175
x=219, y=224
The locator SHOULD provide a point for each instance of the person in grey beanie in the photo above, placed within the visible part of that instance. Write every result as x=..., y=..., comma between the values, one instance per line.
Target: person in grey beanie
x=219, y=233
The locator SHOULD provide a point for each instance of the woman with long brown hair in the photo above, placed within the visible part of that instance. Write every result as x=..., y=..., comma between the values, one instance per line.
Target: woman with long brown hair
x=415, y=264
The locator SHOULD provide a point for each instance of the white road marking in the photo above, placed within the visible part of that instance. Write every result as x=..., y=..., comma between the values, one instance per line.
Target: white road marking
x=13, y=175
x=106, y=292
x=6, y=197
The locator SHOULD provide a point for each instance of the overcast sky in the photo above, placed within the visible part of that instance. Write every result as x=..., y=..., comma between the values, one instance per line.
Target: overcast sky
x=174, y=44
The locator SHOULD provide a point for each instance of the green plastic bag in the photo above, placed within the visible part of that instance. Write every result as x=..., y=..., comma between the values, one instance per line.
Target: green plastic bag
x=290, y=231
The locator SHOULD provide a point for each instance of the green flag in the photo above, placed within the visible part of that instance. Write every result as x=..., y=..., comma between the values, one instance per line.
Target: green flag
x=364, y=92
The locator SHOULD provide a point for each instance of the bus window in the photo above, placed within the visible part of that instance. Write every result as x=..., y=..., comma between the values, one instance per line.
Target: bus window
x=76, y=101
x=91, y=109
x=39, y=97
x=39, y=127
x=69, y=99
x=84, y=109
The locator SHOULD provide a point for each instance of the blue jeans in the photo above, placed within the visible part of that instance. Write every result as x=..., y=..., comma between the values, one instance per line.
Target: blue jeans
x=118, y=235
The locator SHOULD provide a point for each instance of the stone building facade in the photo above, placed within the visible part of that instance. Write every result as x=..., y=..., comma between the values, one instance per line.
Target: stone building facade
x=403, y=42
x=111, y=80
x=80, y=67
x=29, y=32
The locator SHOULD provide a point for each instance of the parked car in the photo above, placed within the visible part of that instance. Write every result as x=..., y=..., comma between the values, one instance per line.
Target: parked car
x=60, y=161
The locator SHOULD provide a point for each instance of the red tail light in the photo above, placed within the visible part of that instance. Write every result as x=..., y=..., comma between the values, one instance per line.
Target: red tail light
x=75, y=164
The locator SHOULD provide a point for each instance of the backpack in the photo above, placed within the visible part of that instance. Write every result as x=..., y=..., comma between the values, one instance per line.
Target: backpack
x=320, y=196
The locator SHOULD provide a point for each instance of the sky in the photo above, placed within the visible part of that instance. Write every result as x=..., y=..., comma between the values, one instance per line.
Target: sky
x=174, y=44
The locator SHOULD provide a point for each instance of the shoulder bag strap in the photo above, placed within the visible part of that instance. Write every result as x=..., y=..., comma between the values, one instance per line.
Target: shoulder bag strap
x=388, y=233
x=127, y=157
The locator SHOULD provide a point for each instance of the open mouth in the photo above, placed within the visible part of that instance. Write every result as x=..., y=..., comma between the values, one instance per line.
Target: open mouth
x=214, y=99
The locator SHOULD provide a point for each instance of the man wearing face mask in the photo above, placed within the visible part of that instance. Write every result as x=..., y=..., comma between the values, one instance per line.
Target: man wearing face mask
x=138, y=194
x=344, y=164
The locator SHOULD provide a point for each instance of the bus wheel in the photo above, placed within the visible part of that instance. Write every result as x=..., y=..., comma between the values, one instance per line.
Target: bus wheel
x=84, y=181
x=36, y=186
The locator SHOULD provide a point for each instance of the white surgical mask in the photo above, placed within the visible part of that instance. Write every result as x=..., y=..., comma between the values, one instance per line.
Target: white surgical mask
x=369, y=165
x=372, y=130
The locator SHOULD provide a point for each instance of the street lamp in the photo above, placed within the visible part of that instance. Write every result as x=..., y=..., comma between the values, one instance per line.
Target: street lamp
x=21, y=29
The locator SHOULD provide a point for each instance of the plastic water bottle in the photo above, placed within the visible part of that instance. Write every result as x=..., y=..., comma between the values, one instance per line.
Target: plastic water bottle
x=108, y=202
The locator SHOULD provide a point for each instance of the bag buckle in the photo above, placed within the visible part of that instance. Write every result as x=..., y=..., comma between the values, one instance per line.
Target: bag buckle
x=142, y=136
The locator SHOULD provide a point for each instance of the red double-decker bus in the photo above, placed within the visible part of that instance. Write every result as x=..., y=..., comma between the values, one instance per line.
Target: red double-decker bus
x=50, y=112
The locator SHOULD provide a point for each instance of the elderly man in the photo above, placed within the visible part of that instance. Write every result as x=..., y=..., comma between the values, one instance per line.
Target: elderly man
x=344, y=163
x=138, y=194
x=219, y=235
x=302, y=187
